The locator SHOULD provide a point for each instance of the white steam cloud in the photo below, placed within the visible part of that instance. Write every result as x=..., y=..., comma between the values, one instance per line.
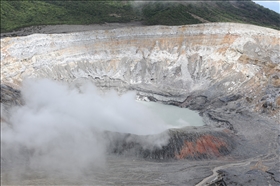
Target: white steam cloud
x=60, y=128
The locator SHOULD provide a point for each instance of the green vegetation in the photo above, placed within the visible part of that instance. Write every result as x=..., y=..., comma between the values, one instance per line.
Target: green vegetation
x=18, y=14
x=167, y=14
x=236, y=11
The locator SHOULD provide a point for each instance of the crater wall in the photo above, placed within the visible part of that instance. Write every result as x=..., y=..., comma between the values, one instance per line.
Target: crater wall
x=229, y=72
x=215, y=61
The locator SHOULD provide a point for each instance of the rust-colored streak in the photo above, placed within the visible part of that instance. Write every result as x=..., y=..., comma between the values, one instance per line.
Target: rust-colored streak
x=278, y=101
x=229, y=38
x=205, y=145
x=164, y=41
x=273, y=40
x=275, y=82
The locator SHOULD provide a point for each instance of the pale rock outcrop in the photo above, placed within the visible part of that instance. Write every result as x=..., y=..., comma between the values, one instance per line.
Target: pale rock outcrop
x=215, y=59
x=229, y=72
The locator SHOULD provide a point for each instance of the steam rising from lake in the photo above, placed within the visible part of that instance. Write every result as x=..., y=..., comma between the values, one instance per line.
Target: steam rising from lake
x=60, y=127
x=63, y=129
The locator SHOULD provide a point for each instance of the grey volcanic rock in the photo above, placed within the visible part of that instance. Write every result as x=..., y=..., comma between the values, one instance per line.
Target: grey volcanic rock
x=228, y=72
x=10, y=96
x=216, y=60
x=185, y=143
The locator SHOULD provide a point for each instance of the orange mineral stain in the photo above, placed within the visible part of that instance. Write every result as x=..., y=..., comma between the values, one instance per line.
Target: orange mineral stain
x=204, y=145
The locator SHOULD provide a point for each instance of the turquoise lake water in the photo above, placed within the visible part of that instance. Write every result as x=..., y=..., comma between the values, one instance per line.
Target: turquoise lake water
x=173, y=115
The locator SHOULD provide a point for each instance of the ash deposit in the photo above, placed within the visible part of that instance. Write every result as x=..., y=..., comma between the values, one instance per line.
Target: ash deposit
x=69, y=115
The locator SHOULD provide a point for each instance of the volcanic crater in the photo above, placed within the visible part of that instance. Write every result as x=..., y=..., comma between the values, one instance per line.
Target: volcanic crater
x=227, y=72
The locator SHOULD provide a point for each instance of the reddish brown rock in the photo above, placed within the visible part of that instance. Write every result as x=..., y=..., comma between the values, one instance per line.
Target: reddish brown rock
x=207, y=145
x=186, y=143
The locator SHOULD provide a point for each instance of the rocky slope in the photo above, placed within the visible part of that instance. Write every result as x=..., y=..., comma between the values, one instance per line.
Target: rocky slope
x=226, y=62
x=229, y=72
x=17, y=15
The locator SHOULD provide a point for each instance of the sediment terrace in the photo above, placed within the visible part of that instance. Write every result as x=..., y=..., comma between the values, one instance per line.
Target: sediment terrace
x=228, y=72
x=216, y=59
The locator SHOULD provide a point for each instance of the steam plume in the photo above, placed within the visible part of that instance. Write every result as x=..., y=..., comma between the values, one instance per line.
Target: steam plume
x=60, y=128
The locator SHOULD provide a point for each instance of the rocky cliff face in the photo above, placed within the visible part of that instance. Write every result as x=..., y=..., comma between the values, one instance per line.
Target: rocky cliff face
x=221, y=61
x=228, y=72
